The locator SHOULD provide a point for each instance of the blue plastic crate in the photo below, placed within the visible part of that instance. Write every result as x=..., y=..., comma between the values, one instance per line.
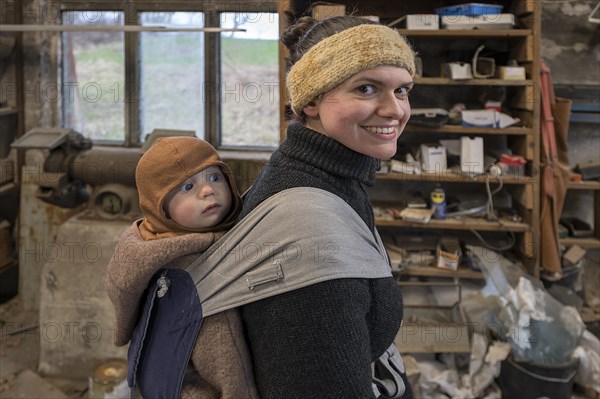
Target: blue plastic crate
x=469, y=9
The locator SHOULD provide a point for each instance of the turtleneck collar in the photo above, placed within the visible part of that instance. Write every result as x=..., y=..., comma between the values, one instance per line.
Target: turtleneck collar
x=327, y=154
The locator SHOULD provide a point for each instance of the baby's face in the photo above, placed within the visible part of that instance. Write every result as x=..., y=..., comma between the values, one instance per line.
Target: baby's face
x=202, y=201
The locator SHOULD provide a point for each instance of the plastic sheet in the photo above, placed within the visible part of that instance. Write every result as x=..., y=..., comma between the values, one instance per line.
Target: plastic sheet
x=539, y=328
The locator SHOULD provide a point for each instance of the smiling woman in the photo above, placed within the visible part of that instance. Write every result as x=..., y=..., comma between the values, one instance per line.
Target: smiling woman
x=348, y=87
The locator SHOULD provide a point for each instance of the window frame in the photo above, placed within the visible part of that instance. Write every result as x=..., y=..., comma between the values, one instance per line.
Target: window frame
x=212, y=60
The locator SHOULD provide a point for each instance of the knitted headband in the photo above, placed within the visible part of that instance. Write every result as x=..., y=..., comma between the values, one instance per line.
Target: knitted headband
x=336, y=58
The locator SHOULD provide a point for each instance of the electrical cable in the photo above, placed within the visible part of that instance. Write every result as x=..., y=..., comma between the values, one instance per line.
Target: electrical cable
x=491, y=215
x=490, y=212
x=486, y=244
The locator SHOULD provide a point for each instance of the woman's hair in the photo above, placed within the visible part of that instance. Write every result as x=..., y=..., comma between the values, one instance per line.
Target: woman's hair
x=307, y=32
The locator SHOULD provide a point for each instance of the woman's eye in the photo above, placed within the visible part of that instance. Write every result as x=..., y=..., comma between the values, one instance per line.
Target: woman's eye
x=402, y=92
x=366, y=89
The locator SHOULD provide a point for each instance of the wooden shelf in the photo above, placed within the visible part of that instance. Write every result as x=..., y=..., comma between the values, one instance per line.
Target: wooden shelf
x=4, y=111
x=466, y=223
x=590, y=242
x=466, y=33
x=432, y=271
x=584, y=185
x=453, y=177
x=450, y=129
x=471, y=82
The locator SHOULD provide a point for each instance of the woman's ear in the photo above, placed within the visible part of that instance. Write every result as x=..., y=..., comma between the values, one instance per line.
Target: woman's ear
x=311, y=109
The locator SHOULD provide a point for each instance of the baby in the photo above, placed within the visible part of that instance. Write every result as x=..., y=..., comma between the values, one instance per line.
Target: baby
x=188, y=200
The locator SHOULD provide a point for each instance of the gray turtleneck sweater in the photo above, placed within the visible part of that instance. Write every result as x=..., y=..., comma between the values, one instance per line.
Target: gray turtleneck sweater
x=319, y=341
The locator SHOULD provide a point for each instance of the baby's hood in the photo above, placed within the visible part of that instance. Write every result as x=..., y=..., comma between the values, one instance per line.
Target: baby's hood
x=166, y=165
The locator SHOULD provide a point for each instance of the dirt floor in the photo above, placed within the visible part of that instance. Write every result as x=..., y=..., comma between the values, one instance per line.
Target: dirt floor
x=19, y=354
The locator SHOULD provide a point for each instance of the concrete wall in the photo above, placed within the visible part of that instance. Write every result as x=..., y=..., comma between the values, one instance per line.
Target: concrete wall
x=570, y=44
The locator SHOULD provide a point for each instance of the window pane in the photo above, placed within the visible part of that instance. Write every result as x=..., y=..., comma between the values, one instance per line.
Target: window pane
x=172, y=74
x=93, y=76
x=250, y=79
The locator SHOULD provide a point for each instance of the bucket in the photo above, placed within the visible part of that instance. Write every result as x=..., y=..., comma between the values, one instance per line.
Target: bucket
x=570, y=278
x=108, y=380
x=529, y=380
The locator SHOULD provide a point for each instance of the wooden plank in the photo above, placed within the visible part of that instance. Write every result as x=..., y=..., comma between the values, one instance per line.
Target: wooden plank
x=284, y=54
x=525, y=7
x=588, y=243
x=111, y=28
x=526, y=99
x=466, y=33
x=466, y=223
x=449, y=176
x=472, y=82
x=432, y=271
x=523, y=51
x=451, y=129
x=597, y=214
x=524, y=196
x=584, y=185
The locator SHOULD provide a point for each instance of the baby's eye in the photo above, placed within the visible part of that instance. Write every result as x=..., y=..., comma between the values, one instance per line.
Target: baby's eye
x=215, y=177
x=366, y=89
x=186, y=187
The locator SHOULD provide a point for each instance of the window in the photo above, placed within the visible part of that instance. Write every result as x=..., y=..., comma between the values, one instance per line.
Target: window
x=172, y=78
x=94, y=76
x=118, y=87
x=249, y=79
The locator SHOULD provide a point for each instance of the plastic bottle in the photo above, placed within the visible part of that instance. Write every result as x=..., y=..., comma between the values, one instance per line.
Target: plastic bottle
x=438, y=202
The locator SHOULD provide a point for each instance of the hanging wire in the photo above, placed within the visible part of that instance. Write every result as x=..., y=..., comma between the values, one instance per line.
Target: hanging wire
x=490, y=212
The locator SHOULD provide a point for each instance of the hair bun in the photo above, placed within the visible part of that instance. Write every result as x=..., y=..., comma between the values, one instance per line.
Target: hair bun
x=295, y=32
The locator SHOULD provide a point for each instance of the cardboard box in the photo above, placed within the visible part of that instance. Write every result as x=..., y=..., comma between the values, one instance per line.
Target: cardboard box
x=322, y=11
x=433, y=328
x=448, y=253
x=511, y=72
x=417, y=22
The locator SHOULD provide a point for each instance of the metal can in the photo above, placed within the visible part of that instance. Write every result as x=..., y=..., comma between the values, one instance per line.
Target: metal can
x=438, y=203
x=108, y=380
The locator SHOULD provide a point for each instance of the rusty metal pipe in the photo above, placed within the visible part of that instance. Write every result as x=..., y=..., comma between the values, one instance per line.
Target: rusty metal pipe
x=103, y=165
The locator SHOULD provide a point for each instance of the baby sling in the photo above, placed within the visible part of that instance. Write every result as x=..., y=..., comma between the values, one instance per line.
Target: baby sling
x=276, y=248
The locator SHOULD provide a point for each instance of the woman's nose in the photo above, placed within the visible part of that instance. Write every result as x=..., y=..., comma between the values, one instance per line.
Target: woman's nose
x=393, y=107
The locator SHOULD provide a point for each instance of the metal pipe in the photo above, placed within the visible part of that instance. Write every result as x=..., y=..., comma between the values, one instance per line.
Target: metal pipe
x=103, y=165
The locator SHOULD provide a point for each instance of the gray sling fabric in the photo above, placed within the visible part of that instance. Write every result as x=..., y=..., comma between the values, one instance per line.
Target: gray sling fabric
x=298, y=237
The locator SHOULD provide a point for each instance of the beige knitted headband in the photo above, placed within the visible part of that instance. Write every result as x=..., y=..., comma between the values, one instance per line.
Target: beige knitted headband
x=336, y=58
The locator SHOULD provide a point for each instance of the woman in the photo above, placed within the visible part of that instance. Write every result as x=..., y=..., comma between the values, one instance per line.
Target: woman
x=348, y=88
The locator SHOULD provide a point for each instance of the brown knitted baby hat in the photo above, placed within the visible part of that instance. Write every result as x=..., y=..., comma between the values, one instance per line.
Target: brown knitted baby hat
x=166, y=165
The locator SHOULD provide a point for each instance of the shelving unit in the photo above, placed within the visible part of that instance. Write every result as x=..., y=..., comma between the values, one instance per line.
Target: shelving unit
x=522, y=100
x=521, y=44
